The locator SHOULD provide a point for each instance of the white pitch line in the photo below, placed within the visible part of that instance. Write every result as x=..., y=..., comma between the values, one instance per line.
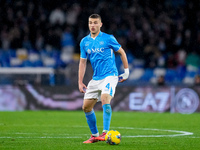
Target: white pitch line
x=43, y=137
x=45, y=134
x=180, y=133
x=195, y=137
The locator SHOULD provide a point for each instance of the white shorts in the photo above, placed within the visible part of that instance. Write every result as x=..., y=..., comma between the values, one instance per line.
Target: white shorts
x=97, y=87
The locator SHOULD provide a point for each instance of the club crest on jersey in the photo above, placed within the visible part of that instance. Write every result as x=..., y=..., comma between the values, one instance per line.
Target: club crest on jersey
x=101, y=43
x=87, y=43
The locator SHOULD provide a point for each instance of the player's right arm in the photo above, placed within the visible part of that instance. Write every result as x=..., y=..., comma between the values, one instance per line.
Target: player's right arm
x=81, y=74
x=123, y=56
x=117, y=48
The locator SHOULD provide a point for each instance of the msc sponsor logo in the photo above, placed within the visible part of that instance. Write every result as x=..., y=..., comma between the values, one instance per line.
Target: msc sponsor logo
x=96, y=50
x=89, y=51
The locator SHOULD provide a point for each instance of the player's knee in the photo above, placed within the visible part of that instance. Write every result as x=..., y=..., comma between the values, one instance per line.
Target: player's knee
x=86, y=109
x=105, y=101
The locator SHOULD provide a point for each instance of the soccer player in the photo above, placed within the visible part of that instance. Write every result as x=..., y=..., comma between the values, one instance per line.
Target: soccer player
x=98, y=47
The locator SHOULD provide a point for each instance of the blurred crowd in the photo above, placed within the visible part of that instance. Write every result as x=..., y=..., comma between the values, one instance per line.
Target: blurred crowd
x=159, y=33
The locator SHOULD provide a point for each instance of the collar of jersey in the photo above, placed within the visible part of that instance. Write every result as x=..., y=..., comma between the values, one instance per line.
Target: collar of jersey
x=100, y=34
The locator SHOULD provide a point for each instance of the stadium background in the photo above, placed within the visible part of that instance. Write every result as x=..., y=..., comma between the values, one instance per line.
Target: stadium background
x=39, y=53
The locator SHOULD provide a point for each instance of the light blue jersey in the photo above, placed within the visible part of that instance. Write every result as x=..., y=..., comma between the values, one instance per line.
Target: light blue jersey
x=100, y=53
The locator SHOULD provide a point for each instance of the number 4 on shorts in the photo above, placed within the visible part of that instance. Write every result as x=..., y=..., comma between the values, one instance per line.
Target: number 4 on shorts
x=108, y=86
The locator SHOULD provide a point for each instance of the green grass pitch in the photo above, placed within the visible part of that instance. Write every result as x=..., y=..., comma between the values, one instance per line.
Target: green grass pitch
x=66, y=130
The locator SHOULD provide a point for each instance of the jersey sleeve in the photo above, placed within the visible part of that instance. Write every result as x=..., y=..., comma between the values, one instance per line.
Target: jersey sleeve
x=113, y=43
x=83, y=53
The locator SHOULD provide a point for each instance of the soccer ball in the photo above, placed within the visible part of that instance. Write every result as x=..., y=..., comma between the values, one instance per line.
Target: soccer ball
x=113, y=137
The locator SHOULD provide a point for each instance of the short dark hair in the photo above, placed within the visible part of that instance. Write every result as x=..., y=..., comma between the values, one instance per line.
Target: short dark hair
x=95, y=16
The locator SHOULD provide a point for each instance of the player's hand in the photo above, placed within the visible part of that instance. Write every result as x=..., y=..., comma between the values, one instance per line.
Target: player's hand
x=124, y=76
x=82, y=87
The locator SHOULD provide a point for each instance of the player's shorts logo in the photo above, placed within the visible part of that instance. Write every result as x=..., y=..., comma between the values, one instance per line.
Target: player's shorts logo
x=187, y=101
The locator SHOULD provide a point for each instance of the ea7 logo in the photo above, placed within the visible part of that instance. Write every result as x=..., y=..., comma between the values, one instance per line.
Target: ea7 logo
x=155, y=102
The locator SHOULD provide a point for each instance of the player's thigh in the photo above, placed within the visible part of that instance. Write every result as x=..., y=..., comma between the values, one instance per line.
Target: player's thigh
x=88, y=104
x=108, y=89
x=92, y=91
x=105, y=98
x=108, y=86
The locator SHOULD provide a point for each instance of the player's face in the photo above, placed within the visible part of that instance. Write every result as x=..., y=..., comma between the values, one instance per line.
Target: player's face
x=94, y=25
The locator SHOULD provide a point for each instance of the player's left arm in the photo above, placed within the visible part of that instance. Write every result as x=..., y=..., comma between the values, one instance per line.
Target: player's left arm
x=125, y=75
x=81, y=73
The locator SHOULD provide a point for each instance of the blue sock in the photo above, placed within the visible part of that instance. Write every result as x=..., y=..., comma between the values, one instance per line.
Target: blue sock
x=107, y=113
x=91, y=120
